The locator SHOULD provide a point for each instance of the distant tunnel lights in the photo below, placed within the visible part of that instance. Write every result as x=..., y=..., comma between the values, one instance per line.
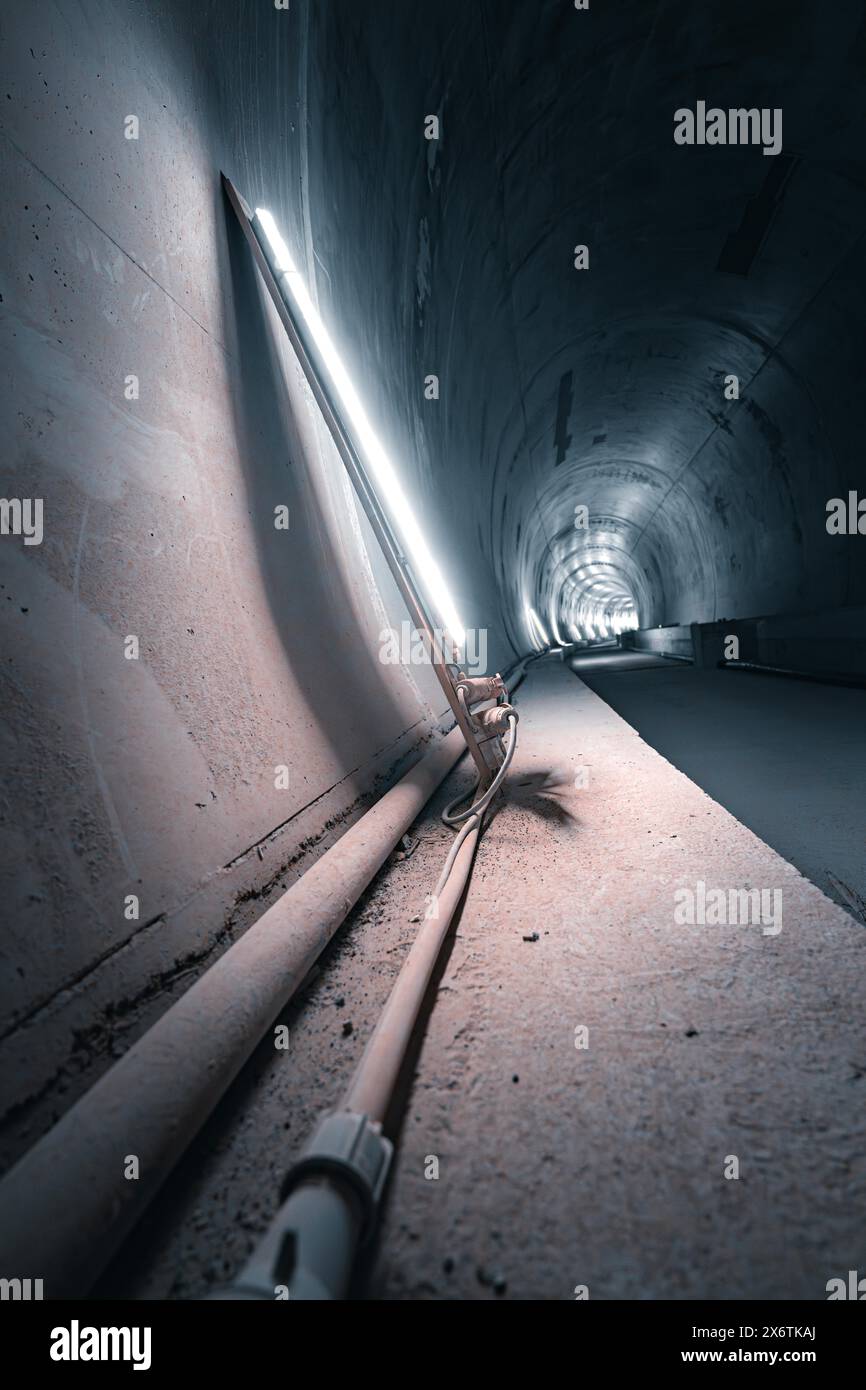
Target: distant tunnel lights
x=382, y=469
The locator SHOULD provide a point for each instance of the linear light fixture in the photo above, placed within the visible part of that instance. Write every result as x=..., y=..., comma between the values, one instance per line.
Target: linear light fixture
x=388, y=484
x=536, y=627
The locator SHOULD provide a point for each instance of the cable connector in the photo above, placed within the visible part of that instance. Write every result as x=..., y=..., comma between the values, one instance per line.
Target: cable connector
x=477, y=688
x=350, y=1147
x=329, y=1205
x=495, y=720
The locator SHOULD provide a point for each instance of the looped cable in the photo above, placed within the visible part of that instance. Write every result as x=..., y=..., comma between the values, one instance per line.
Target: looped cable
x=450, y=817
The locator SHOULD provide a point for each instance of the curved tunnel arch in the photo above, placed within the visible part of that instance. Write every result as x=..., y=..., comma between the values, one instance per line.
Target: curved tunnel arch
x=719, y=505
x=700, y=487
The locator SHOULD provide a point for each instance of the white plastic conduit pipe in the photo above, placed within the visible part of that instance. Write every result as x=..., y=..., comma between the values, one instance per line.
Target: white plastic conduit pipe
x=310, y=1246
x=66, y=1206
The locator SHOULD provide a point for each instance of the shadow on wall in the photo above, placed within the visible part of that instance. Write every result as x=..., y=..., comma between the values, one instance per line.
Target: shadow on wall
x=338, y=673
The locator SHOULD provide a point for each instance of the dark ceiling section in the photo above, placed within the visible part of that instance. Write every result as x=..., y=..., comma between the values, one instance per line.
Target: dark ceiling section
x=605, y=387
x=743, y=245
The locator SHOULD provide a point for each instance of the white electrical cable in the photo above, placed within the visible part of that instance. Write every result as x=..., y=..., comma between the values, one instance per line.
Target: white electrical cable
x=453, y=852
x=475, y=814
x=448, y=815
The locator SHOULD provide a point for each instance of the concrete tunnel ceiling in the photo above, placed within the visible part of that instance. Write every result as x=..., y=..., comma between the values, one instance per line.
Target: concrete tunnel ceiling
x=605, y=388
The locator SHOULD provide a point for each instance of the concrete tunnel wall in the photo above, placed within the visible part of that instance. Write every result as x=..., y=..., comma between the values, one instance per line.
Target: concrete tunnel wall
x=558, y=387
x=258, y=647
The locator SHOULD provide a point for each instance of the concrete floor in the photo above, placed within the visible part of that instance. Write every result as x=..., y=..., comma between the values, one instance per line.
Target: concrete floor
x=562, y=1166
x=734, y=733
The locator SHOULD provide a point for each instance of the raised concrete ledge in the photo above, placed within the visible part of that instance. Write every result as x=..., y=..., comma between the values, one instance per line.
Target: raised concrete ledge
x=824, y=642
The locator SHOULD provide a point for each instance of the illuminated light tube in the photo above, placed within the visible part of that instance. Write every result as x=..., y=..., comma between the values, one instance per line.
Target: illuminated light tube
x=536, y=623
x=380, y=465
x=557, y=635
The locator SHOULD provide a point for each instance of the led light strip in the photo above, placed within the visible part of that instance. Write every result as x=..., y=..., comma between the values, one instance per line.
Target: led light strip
x=536, y=627
x=380, y=465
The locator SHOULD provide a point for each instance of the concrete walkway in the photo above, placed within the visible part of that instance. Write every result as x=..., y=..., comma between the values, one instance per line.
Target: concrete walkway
x=561, y=1165
x=605, y=1166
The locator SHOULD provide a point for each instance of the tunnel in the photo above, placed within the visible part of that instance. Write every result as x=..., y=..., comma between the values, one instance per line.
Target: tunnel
x=365, y=361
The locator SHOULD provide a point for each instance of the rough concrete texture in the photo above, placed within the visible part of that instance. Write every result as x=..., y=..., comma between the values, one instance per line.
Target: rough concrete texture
x=259, y=648
x=561, y=1166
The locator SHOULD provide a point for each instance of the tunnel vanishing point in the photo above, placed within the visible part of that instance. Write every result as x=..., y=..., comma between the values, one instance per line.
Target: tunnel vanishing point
x=433, y=546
